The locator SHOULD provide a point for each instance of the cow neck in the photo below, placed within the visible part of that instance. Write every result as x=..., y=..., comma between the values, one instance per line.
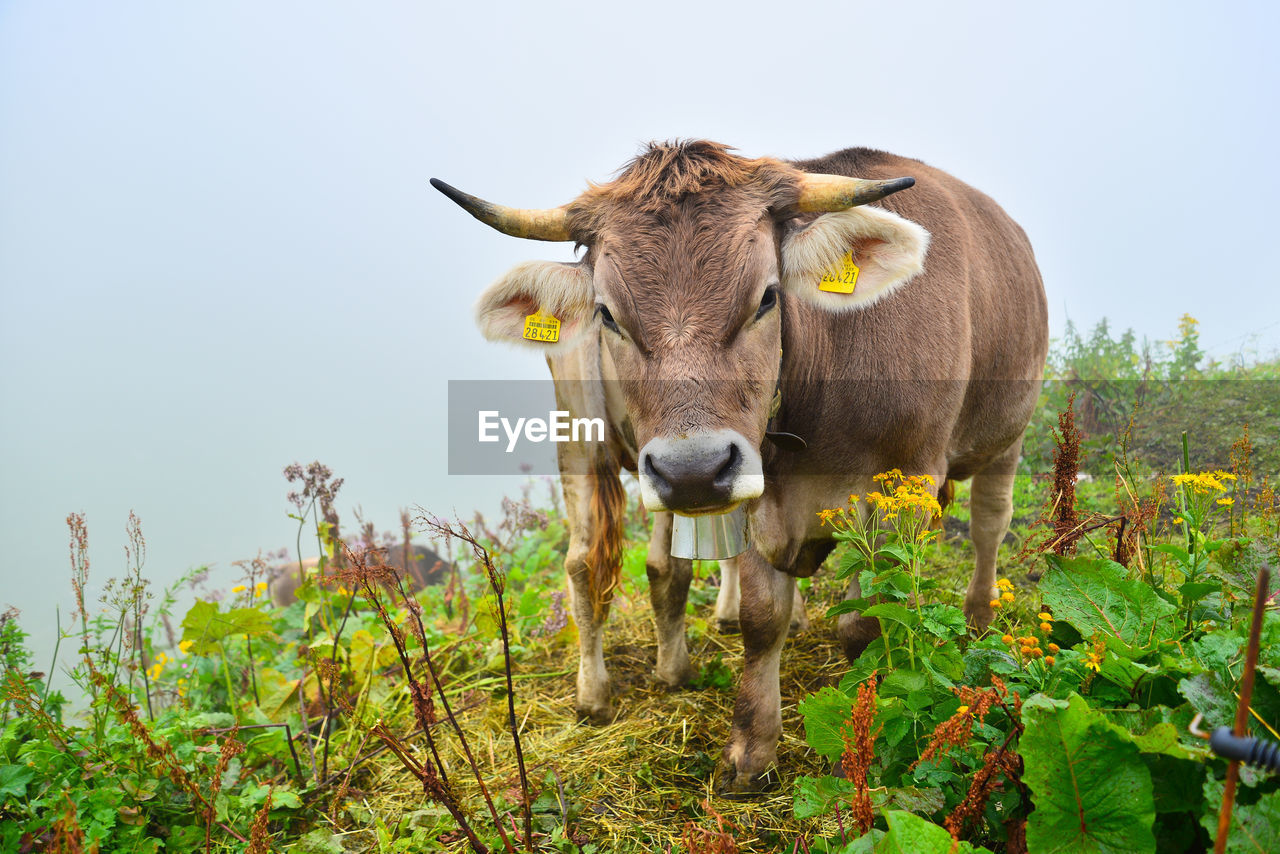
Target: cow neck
x=782, y=440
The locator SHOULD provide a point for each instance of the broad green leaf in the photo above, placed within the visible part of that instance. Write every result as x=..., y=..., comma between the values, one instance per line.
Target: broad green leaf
x=816, y=795
x=911, y=834
x=1163, y=738
x=893, y=612
x=847, y=606
x=1211, y=697
x=901, y=682
x=204, y=625
x=824, y=714
x=14, y=780
x=1098, y=597
x=1255, y=828
x=1091, y=789
x=1194, y=590
x=943, y=621
x=319, y=841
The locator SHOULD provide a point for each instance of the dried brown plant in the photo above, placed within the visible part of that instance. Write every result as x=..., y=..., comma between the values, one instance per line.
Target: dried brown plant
x=996, y=763
x=859, y=751
x=705, y=840
x=259, y=835
x=68, y=836
x=1242, y=468
x=1066, y=468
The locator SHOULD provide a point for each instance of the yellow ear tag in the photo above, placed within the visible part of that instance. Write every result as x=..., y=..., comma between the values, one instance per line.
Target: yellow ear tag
x=842, y=279
x=542, y=327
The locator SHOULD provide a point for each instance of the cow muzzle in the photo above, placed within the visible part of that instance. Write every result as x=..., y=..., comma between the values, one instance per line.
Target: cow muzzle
x=701, y=473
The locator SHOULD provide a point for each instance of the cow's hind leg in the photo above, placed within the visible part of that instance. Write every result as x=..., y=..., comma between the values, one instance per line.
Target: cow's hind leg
x=669, y=591
x=990, y=511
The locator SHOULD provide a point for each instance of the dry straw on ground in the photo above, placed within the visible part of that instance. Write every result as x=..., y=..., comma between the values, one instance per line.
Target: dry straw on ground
x=634, y=784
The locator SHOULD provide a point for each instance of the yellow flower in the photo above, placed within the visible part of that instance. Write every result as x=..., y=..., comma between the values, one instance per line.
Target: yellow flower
x=826, y=516
x=1226, y=502
x=1177, y=520
x=962, y=710
x=1054, y=648
x=1007, y=596
x=996, y=603
x=261, y=585
x=1004, y=584
x=239, y=588
x=1204, y=482
x=1093, y=661
x=1048, y=659
x=1046, y=627
x=1045, y=615
x=1008, y=639
x=185, y=645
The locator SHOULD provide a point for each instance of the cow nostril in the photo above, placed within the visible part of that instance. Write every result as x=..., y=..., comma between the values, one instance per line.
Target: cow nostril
x=653, y=472
x=727, y=471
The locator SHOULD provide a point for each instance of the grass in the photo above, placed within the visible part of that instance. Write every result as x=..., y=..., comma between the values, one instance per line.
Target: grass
x=183, y=745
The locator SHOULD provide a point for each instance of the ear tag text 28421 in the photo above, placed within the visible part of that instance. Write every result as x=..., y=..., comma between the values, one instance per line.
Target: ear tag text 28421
x=542, y=327
x=840, y=280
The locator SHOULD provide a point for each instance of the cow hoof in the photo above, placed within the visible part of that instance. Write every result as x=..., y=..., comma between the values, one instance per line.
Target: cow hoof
x=597, y=715
x=732, y=783
x=857, y=633
x=729, y=627
x=677, y=680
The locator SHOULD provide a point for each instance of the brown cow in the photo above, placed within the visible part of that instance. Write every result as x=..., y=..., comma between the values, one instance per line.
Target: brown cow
x=425, y=568
x=699, y=291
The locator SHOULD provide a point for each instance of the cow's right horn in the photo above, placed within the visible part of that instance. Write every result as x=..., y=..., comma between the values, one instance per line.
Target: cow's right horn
x=550, y=224
x=821, y=193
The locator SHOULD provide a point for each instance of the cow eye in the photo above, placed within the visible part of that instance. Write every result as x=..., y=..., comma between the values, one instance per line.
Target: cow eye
x=768, y=301
x=607, y=318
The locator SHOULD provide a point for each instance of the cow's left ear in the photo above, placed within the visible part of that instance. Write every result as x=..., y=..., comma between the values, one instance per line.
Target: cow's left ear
x=849, y=259
x=542, y=304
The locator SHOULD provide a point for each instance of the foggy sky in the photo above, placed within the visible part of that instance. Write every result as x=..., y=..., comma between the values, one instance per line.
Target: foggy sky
x=219, y=252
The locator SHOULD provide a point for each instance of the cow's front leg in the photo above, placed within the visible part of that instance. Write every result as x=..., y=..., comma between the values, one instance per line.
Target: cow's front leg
x=593, y=679
x=757, y=714
x=730, y=595
x=669, y=591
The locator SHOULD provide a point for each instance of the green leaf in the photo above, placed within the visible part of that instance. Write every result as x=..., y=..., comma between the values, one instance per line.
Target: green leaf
x=1163, y=738
x=14, y=780
x=1091, y=789
x=816, y=795
x=1255, y=828
x=847, y=606
x=1194, y=590
x=1098, y=597
x=319, y=842
x=893, y=612
x=205, y=626
x=824, y=714
x=911, y=834
x=943, y=621
x=1211, y=697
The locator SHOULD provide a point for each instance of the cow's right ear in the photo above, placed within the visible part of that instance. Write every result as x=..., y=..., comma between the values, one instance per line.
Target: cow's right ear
x=542, y=304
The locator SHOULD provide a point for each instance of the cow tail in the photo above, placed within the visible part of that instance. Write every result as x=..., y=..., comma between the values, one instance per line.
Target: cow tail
x=946, y=495
x=604, y=552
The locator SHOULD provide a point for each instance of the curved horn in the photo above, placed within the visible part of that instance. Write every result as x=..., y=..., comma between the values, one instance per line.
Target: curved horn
x=821, y=193
x=550, y=224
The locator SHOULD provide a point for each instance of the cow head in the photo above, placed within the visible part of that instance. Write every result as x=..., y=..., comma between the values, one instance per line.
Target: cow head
x=689, y=254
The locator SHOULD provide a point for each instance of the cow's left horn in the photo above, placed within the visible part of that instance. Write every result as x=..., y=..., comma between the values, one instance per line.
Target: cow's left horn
x=826, y=193
x=549, y=224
